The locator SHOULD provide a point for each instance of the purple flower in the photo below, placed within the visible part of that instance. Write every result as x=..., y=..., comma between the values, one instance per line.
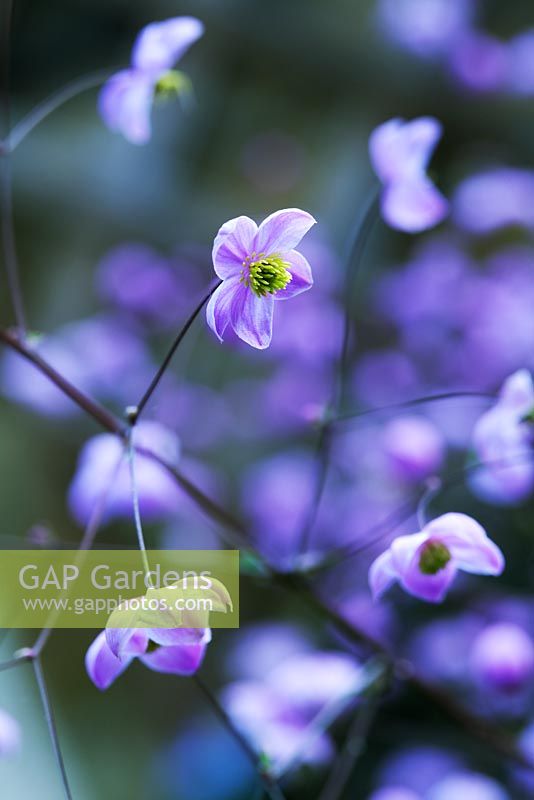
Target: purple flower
x=10, y=735
x=394, y=793
x=521, y=63
x=414, y=448
x=502, y=658
x=400, y=152
x=425, y=27
x=479, y=61
x=257, y=265
x=178, y=651
x=126, y=99
x=426, y=563
x=503, y=438
x=467, y=786
x=494, y=199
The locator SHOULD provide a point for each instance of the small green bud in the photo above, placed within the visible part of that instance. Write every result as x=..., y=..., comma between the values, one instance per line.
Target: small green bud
x=434, y=557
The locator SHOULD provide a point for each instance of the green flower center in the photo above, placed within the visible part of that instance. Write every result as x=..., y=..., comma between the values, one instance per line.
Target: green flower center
x=434, y=557
x=265, y=274
x=171, y=84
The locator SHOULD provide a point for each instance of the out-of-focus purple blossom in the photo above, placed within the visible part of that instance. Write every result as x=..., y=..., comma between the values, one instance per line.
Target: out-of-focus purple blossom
x=394, y=793
x=375, y=620
x=425, y=27
x=297, y=328
x=426, y=563
x=10, y=735
x=102, y=470
x=383, y=377
x=178, y=651
x=495, y=198
x=257, y=265
x=400, y=152
x=178, y=404
x=503, y=441
x=440, y=650
x=418, y=768
x=479, y=61
x=467, y=786
x=100, y=355
x=502, y=658
x=261, y=647
x=520, y=55
x=125, y=101
x=414, y=448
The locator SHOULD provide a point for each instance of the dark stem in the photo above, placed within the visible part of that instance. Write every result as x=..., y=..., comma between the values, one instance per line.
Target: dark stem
x=137, y=411
x=6, y=189
x=417, y=401
x=269, y=784
x=51, y=723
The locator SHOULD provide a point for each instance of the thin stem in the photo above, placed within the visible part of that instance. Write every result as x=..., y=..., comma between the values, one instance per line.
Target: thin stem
x=416, y=401
x=26, y=125
x=51, y=723
x=270, y=785
x=172, y=350
x=135, y=504
x=6, y=189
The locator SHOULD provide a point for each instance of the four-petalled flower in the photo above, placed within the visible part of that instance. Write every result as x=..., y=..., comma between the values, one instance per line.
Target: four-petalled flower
x=400, y=152
x=257, y=265
x=126, y=99
x=425, y=564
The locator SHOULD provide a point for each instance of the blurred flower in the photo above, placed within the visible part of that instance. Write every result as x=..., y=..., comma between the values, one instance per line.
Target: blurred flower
x=257, y=266
x=126, y=99
x=100, y=471
x=520, y=79
x=502, y=658
x=394, y=793
x=425, y=27
x=479, y=61
x=493, y=199
x=440, y=649
x=400, y=152
x=260, y=647
x=10, y=735
x=426, y=563
x=414, y=448
x=418, y=768
x=179, y=651
x=467, y=786
x=503, y=441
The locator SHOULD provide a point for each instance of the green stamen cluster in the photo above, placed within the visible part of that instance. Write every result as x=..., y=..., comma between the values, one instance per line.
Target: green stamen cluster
x=171, y=84
x=265, y=275
x=434, y=557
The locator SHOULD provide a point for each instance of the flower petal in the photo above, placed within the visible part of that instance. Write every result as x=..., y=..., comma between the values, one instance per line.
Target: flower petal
x=431, y=588
x=218, y=311
x=401, y=150
x=282, y=231
x=180, y=636
x=470, y=547
x=413, y=205
x=381, y=574
x=125, y=103
x=124, y=642
x=161, y=44
x=233, y=243
x=102, y=666
x=301, y=276
x=252, y=318
x=182, y=659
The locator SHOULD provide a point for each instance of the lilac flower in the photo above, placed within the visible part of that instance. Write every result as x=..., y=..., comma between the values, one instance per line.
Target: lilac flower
x=502, y=658
x=425, y=27
x=479, y=61
x=10, y=735
x=426, y=563
x=257, y=265
x=467, y=786
x=495, y=198
x=418, y=768
x=503, y=438
x=520, y=56
x=178, y=651
x=400, y=152
x=126, y=99
x=394, y=793
x=414, y=448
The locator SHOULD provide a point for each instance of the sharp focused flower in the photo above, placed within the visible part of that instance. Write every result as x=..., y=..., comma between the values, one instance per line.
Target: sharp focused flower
x=178, y=651
x=426, y=563
x=503, y=438
x=126, y=99
x=400, y=152
x=257, y=265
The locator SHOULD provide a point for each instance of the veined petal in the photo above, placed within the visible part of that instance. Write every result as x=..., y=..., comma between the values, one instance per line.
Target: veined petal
x=102, y=666
x=401, y=150
x=124, y=642
x=161, y=44
x=413, y=205
x=382, y=574
x=252, y=318
x=282, y=231
x=218, y=311
x=301, y=276
x=125, y=103
x=182, y=659
x=468, y=543
x=233, y=243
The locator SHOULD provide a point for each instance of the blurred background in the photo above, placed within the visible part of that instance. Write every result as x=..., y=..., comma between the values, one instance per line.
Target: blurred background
x=114, y=247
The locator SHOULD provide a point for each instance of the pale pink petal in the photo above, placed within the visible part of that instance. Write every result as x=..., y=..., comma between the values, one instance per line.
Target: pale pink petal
x=180, y=636
x=468, y=543
x=252, y=319
x=233, y=243
x=282, y=231
x=382, y=574
x=403, y=550
x=125, y=103
x=431, y=588
x=161, y=44
x=401, y=150
x=413, y=205
x=301, y=276
x=102, y=666
x=182, y=659
x=218, y=311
